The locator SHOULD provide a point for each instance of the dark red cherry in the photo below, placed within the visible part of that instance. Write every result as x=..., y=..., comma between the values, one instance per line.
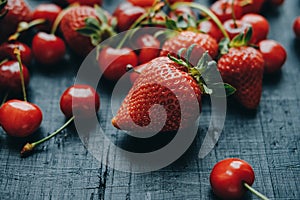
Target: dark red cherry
x=20, y=118
x=10, y=79
x=7, y=51
x=80, y=100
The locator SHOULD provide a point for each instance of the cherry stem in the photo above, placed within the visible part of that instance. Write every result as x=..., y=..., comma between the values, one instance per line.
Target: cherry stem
x=137, y=22
x=258, y=194
x=24, y=26
x=3, y=61
x=204, y=10
x=59, y=18
x=30, y=146
x=233, y=14
x=17, y=52
x=4, y=99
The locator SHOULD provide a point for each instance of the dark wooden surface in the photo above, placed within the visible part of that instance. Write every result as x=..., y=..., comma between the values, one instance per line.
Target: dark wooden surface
x=269, y=139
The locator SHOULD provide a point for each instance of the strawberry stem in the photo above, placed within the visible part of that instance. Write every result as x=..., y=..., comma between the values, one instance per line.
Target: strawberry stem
x=30, y=146
x=258, y=194
x=24, y=26
x=204, y=10
x=17, y=53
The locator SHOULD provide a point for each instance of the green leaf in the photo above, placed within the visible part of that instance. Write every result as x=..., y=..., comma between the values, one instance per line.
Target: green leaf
x=237, y=41
x=181, y=23
x=179, y=53
x=171, y=24
x=101, y=14
x=86, y=31
x=229, y=90
x=224, y=46
x=189, y=53
x=95, y=39
x=92, y=23
x=203, y=62
x=207, y=90
x=114, y=22
x=248, y=35
x=191, y=21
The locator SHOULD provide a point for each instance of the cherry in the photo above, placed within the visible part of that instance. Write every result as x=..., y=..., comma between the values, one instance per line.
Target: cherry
x=20, y=118
x=260, y=26
x=274, y=55
x=84, y=2
x=142, y=3
x=296, y=27
x=7, y=51
x=79, y=100
x=127, y=14
x=113, y=62
x=233, y=28
x=253, y=6
x=230, y=179
x=211, y=29
x=47, y=48
x=149, y=48
x=10, y=76
x=47, y=11
x=223, y=10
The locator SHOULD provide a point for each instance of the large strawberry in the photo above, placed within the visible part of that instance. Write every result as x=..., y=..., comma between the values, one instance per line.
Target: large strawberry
x=185, y=39
x=84, y=27
x=13, y=12
x=159, y=83
x=243, y=68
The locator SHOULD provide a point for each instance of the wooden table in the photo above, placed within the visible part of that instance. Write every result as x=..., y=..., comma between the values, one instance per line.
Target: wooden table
x=269, y=139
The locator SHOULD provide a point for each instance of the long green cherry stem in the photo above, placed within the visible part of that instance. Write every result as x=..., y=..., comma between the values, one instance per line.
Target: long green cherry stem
x=24, y=26
x=258, y=194
x=17, y=52
x=204, y=10
x=30, y=146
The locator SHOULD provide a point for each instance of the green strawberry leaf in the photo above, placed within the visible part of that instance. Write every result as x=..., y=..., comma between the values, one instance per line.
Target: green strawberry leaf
x=229, y=90
x=92, y=23
x=171, y=24
x=224, y=46
x=86, y=31
x=181, y=23
x=179, y=53
x=189, y=53
x=242, y=39
x=101, y=14
x=191, y=21
x=248, y=35
x=95, y=39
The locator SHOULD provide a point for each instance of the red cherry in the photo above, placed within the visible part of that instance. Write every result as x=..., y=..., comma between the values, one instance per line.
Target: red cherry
x=211, y=29
x=126, y=15
x=10, y=76
x=232, y=30
x=228, y=176
x=47, y=48
x=296, y=27
x=142, y=3
x=149, y=48
x=274, y=55
x=85, y=2
x=20, y=118
x=113, y=62
x=49, y=12
x=223, y=10
x=7, y=51
x=254, y=6
x=79, y=100
x=260, y=26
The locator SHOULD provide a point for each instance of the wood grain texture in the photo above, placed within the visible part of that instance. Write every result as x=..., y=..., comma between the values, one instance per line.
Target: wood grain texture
x=269, y=139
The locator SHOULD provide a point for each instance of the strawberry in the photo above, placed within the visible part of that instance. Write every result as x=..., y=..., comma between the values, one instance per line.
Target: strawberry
x=243, y=68
x=159, y=73
x=185, y=39
x=13, y=12
x=78, y=27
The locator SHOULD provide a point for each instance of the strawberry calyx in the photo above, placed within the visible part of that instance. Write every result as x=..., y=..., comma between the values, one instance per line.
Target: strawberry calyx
x=3, y=11
x=98, y=29
x=203, y=67
x=240, y=40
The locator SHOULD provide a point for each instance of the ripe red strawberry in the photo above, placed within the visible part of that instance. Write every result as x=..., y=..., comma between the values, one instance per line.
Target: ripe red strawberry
x=17, y=11
x=243, y=68
x=150, y=89
x=187, y=38
x=85, y=2
x=76, y=30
